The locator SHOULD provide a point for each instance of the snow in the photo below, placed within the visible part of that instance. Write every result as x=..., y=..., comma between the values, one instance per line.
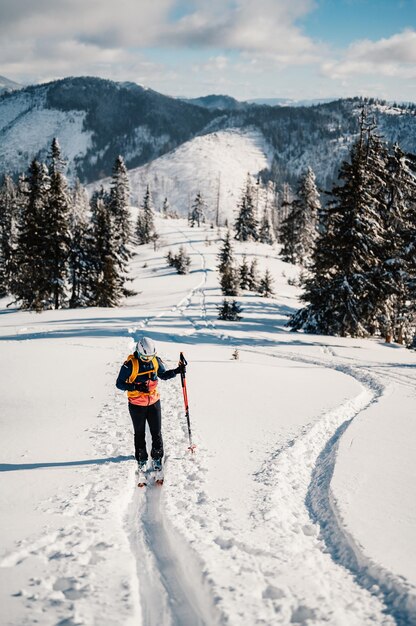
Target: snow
x=27, y=122
x=297, y=507
x=216, y=163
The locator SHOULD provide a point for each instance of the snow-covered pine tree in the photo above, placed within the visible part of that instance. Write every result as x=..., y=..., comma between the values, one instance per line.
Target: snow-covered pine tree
x=145, y=227
x=246, y=223
x=229, y=281
x=397, y=286
x=180, y=261
x=253, y=276
x=300, y=228
x=266, y=230
x=56, y=232
x=229, y=311
x=288, y=236
x=244, y=274
x=197, y=212
x=31, y=284
x=8, y=216
x=229, y=278
x=166, y=208
x=309, y=196
x=266, y=285
x=80, y=248
x=225, y=255
x=106, y=284
x=283, y=207
x=342, y=290
x=119, y=202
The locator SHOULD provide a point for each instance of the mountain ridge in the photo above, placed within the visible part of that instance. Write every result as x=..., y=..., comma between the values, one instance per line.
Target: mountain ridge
x=96, y=119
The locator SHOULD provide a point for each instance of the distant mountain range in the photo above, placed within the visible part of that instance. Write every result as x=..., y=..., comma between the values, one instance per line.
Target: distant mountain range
x=7, y=85
x=95, y=120
x=231, y=104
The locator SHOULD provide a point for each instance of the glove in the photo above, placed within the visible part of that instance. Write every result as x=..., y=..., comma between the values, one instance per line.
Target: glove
x=141, y=387
x=181, y=369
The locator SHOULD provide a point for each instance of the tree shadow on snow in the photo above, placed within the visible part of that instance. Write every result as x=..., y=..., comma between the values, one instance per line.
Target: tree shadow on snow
x=13, y=467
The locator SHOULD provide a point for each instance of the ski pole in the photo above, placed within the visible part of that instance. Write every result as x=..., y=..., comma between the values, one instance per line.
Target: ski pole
x=184, y=362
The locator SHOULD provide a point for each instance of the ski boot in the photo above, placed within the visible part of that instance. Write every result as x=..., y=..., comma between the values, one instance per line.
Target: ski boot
x=158, y=471
x=141, y=473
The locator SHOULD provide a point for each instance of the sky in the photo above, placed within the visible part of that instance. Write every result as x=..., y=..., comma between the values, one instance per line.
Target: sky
x=299, y=49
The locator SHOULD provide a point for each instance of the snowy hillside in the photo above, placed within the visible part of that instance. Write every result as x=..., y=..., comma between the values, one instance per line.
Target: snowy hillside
x=27, y=127
x=298, y=506
x=8, y=85
x=96, y=120
x=216, y=165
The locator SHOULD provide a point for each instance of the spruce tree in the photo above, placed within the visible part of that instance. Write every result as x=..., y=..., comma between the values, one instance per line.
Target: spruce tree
x=80, y=249
x=300, y=228
x=266, y=285
x=145, y=228
x=253, y=276
x=343, y=287
x=166, y=208
x=57, y=240
x=229, y=281
x=397, y=285
x=244, y=274
x=119, y=202
x=246, y=224
x=288, y=235
x=229, y=311
x=225, y=255
x=197, y=212
x=8, y=218
x=266, y=231
x=180, y=261
x=106, y=285
x=229, y=277
x=31, y=286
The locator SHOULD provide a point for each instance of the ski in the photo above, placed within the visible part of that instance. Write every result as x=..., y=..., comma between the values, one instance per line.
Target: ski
x=158, y=473
x=141, y=477
x=153, y=475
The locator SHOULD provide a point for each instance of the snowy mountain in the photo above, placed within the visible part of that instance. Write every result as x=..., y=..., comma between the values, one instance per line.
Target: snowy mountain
x=216, y=165
x=7, y=85
x=289, y=102
x=297, y=506
x=221, y=102
x=95, y=120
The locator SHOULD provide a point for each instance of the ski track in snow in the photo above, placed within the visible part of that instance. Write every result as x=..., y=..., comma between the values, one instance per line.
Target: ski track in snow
x=321, y=442
x=298, y=504
x=295, y=528
x=173, y=590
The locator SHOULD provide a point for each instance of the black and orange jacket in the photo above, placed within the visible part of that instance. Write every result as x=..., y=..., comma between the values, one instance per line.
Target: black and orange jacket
x=140, y=379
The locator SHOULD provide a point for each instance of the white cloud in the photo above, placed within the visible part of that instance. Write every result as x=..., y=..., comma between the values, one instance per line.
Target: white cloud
x=102, y=22
x=50, y=37
x=265, y=27
x=392, y=57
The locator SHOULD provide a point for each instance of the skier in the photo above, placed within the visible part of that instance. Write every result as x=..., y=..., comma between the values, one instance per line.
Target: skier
x=139, y=377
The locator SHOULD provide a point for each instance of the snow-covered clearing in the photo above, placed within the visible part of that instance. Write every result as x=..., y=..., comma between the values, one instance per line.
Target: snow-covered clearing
x=216, y=165
x=298, y=506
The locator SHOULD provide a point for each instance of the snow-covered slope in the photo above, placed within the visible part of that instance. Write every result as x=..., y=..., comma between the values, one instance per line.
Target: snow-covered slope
x=216, y=165
x=297, y=507
x=95, y=120
x=27, y=127
x=7, y=85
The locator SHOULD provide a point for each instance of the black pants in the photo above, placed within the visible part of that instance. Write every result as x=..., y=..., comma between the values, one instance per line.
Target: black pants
x=152, y=414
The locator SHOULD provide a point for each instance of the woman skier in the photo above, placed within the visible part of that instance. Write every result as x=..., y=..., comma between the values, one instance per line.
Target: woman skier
x=139, y=377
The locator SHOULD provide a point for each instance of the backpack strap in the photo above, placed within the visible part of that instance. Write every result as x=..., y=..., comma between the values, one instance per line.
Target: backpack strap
x=134, y=366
